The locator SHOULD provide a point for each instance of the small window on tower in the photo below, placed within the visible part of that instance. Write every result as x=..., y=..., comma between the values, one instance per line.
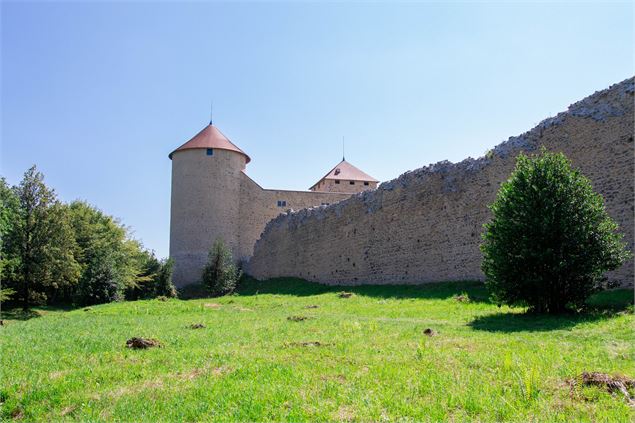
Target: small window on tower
x=282, y=203
x=365, y=183
x=337, y=181
x=352, y=182
x=210, y=151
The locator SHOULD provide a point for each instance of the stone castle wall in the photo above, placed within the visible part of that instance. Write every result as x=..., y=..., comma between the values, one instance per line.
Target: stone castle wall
x=258, y=206
x=212, y=197
x=425, y=226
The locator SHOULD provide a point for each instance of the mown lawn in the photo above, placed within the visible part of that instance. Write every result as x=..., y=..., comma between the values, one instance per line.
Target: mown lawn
x=373, y=361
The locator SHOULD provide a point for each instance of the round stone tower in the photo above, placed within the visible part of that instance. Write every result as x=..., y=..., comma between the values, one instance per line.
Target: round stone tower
x=206, y=177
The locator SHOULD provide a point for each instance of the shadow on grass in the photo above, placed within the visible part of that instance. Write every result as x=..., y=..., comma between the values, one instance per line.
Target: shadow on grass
x=603, y=305
x=475, y=291
x=19, y=314
x=12, y=312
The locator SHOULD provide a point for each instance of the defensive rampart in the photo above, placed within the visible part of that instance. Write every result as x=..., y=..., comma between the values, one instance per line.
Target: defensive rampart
x=425, y=226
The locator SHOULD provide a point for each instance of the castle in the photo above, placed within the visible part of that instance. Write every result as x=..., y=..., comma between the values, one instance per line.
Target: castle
x=424, y=226
x=213, y=197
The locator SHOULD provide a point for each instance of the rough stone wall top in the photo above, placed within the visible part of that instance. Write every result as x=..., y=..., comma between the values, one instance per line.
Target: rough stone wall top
x=425, y=225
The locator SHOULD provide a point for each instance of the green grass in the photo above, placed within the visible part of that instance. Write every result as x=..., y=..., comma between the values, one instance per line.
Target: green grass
x=374, y=362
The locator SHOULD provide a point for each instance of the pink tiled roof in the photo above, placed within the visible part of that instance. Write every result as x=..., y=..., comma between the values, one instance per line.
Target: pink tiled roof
x=210, y=137
x=347, y=172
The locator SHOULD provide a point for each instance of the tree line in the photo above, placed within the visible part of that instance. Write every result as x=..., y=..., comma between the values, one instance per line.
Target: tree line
x=70, y=253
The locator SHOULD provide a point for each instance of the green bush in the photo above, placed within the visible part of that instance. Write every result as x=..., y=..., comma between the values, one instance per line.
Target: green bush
x=6, y=294
x=550, y=240
x=220, y=275
x=99, y=283
x=164, y=285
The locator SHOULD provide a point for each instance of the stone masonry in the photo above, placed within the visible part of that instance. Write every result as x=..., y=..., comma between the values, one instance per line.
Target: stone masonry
x=212, y=197
x=426, y=225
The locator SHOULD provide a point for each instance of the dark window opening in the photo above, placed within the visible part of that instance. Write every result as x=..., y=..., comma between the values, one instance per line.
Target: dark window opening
x=282, y=203
x=210, y=151
x=365, y=183
x=352, y=182
x=337, y=181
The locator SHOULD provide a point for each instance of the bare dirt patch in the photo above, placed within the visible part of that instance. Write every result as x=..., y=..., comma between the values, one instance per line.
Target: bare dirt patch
x=345, y=294
x=311, y=306
x=307, y=344
x=68, y=410
x=57, y=374
x=17, y=414
x=462, y=298
x=198, y=372
x=243, y=309
x=197, y=326
x=297, y=318
x=430, y=332
x=137, y=388
x=344, y=414
x=335, y=378
x=612, y=384
x=214, y=306
x=142, y=343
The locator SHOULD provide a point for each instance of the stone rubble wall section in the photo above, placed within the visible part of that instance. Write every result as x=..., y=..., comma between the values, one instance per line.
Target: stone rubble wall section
x=258, y=206
x=425, y=226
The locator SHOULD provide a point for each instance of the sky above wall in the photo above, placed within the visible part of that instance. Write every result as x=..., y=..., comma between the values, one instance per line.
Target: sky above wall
x=97, y=94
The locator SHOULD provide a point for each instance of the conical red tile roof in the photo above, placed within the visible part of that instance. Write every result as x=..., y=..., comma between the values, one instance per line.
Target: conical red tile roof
x=210, y=137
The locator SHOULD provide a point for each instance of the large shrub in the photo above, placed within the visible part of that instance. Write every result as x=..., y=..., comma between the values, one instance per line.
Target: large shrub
x=220, y=274
x=112, y=262
x=99, y=283
x=155, y=279
x=164, y=285
x=550, y=239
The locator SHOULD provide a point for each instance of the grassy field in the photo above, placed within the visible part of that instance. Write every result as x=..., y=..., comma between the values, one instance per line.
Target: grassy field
x=363, y=358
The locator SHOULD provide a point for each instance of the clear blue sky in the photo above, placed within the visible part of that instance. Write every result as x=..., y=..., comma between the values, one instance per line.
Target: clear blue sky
x=97, y=94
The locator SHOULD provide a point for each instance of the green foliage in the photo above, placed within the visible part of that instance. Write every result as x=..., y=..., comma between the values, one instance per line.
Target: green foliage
x=550, y=239
x=6, y=294
x=111, y=261
x=155, y=279
x=9, y=207
x=39, y=243
x=220, y=274
x=99, y=283
x=164, y=285
x=144, y=286
x=54, y=252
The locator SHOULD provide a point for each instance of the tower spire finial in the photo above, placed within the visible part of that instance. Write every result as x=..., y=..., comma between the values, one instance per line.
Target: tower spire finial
x=343, y=155
x=211, y=112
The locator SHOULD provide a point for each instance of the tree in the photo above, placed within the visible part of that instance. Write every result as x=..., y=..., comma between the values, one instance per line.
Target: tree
x=164, y=285
x=41, y=241
x=99, y=283
x=550, y=239
x=9, y=207
x=220, y=274
x=111, y=261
